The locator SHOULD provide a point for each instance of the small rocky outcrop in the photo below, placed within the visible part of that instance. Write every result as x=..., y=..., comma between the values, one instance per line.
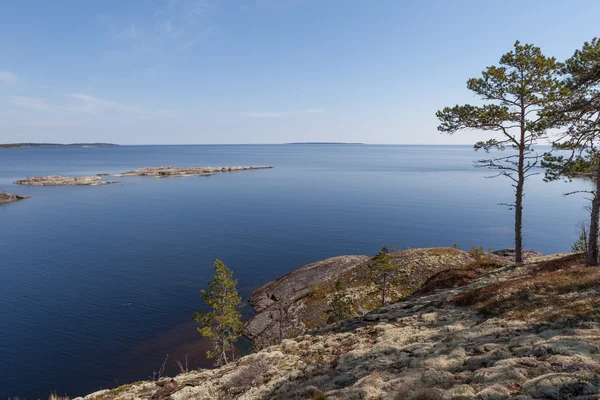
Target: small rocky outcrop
x=298, y=301
x=528, y=332
x=511, y=254
x=174, y=172
x=9, y=198
x=55, y=180
x=268, y=299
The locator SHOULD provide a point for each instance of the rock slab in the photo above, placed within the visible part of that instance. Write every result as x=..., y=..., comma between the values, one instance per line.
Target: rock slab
x=55, y=180
x=9, y=198
x=175, y=172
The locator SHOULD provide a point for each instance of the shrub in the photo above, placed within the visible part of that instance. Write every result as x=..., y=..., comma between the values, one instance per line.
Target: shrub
x=339, y=306
x=580, y=245
x=477, y=252
x=54, y=396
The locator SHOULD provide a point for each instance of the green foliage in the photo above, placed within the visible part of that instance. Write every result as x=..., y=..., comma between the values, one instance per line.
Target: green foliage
x=575, y=152
x=525, y=78
x=222, y=325
x=580, y=245
x=577, y=111
x=477, y=252
x=383, y=274
x=339, y=306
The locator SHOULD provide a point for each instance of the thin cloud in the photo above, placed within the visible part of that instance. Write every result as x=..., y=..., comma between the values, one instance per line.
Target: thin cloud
x=263, y=114
x=8, y=78
x=92, y=104
x=174, y=25
x=51, y=124
x=166, y=113
x=271, y=4
x=40, y=124
x=33, y=103
x=312, y=111
x=282, y=114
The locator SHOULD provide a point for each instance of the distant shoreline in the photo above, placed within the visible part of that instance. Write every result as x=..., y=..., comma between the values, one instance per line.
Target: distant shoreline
x=322, y=143
x=20, y=145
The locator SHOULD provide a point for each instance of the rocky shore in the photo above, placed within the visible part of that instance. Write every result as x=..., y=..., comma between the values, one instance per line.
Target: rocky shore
x=54, y=180
x=9, y=198
x=485, y=330
x=296, y=302
x=175, y=172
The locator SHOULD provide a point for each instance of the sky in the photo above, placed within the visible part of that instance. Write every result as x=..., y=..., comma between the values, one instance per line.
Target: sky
x=260, y=71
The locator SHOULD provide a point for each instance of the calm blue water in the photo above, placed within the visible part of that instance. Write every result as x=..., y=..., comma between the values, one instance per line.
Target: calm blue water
x=98, y=284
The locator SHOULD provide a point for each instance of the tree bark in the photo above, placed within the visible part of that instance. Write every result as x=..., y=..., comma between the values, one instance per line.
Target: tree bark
x=519, y=193
x=592, y=248
x=519, y=213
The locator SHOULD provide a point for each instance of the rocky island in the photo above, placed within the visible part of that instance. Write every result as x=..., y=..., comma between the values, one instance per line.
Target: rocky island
x=54, y=180
x=158, y=172
x=9, y=198
x=466, y=327
x=175, y=172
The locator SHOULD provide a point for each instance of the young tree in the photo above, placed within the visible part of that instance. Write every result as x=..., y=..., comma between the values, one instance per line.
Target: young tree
x=581, y=244
x=515, y=92
x=339, y=306
x=383, y=274
x=222, y=325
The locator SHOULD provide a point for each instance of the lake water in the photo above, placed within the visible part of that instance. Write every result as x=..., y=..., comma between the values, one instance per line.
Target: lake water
x=98, y=284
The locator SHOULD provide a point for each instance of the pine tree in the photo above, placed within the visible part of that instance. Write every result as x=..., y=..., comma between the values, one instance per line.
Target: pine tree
x=383, y=274
x=578, y=110
x=515, y=92
x=222, y=325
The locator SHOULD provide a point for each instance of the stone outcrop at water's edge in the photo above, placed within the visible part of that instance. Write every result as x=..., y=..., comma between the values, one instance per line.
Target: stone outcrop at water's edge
x=175, y=172
x=9, y=198
x=54, y=180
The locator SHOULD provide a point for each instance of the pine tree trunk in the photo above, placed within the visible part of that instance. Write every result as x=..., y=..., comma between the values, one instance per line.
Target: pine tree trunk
x=519, y=195
x=592, y=248
x=519, y=222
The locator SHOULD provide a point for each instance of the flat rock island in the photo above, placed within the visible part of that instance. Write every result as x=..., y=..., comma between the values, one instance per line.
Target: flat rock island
x=54, y=180
x=9, y=198
x=174, y=172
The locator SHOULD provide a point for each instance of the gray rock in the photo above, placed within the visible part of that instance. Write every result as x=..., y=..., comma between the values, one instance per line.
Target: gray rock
x=54, y=180
x=290, y=288
x=558, y=386
x=175, y=172
x=8, y=197
x=494, y=392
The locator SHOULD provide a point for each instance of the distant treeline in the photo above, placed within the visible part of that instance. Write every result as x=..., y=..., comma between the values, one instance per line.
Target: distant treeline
x=14, y=145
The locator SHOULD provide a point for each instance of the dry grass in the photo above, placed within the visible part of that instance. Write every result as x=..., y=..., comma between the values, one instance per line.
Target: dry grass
x=457, y=277
x=561, y=288
x=447, y=279
x=250, y=374
x=54, y=396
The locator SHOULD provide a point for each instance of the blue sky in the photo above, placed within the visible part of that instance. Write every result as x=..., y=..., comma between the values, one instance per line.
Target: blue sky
x=259, y=71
